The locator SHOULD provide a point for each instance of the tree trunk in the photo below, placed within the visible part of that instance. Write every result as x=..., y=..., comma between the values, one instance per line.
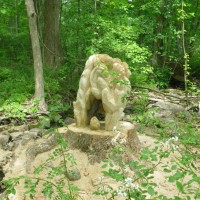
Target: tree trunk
x=98, y=143
x=38, y=67
x=52, y=44
x=157, y=57
x=158, y=43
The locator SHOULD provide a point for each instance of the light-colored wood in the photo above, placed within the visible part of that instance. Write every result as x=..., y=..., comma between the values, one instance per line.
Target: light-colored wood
x=97, y=143
x=104, y=84
x=37, y=57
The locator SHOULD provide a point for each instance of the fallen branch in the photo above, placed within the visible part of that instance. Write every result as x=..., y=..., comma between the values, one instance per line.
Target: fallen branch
x=157, y=91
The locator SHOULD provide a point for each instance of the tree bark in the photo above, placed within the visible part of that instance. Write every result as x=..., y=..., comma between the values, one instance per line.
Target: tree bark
x=157, y=59
x=98, y=143
x=38, y=66
x=52, y=43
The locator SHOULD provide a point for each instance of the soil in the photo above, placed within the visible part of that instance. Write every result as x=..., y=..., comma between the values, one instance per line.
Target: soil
x=90, y=173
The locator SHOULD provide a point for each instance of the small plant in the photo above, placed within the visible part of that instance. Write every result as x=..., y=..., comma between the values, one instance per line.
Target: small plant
x=13, y=110
x=162, y=77
x=148, y=118
x=16, y=110
x=56, y=189
x=54, y=113
x=135, y=179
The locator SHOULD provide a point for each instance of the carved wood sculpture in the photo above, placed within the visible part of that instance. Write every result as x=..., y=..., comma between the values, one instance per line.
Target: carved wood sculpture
x=104, y=84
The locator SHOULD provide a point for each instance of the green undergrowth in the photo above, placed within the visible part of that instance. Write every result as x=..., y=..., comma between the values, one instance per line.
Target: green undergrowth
x=16, y=84
x=124, y=178
x=17, y=90
x=62, y=189
x=185, y=125
x=175, y=152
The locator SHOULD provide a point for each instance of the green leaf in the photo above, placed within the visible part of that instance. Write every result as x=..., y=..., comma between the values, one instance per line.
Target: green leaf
x=13, y=191
x=176, y=176
x=171, y=179
x=144, y=184
x=167, y=170
x=177, y=198
x=115, y=174
x=111, y=165
x=104, y=165
x=31, y=196
x=174, y=167
x=153, y=157
x=3, y=11
x=180, y=186
x=150, y=177
x=151, y=191
x=38, y=169
x=48, y=190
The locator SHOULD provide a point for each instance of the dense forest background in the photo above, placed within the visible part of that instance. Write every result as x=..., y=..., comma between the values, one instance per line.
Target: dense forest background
x=44, y=45
x=159, y=39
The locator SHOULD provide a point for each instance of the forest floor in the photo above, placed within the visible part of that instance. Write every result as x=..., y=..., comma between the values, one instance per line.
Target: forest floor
x=90, y=173
x=149, y=127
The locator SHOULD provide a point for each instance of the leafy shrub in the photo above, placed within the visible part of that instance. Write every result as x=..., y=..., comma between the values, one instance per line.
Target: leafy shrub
x=139, y=184
x=60, y=84
x=16, y=83
x=13, y=110
x=61, y=190
x=132, y=178
x=162, y=76
x=5, y=73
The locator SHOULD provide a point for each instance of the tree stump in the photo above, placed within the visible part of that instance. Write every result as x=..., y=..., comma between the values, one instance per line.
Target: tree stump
x=97, y=143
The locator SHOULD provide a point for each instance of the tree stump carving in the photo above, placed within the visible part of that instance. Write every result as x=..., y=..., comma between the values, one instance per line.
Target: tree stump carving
x=103, y=85
x=102, y=89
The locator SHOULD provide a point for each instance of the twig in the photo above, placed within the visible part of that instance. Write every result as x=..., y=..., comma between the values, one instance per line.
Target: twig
x=184, y=52
x=157, y=91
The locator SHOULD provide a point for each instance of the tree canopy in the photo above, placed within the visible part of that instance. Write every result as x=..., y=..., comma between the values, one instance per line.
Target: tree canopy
x=148, y=35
